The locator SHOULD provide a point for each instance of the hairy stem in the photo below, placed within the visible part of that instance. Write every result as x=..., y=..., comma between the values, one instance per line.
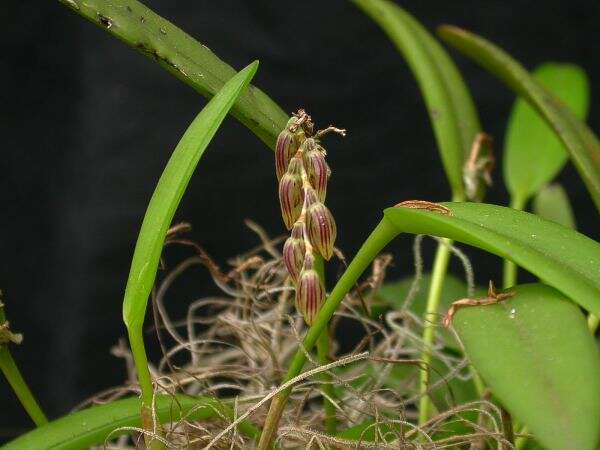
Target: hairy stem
x=379, y=238
x=440, y=266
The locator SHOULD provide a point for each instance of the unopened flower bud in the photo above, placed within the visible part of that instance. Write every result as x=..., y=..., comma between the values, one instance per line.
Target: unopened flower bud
x=290, y=193
x=287, y=145
x=322, y=230
x=294, y=251
x=310, y=294
x=317, y=170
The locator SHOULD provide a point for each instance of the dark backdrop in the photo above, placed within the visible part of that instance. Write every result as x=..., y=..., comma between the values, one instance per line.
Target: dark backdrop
x=88, y=124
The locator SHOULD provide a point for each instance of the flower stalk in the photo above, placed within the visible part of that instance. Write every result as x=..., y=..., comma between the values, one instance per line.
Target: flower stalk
x=303, y=173
x=13, y=375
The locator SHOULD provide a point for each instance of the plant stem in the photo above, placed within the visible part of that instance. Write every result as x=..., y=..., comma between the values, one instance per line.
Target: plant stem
x=15, y=379
x=323, y=355
x=11, y=371
x=138, y=349
x=510, y=268
x=379, y=238
x=440, y=266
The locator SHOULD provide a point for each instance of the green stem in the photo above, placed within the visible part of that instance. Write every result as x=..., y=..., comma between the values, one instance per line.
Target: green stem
x=323, y=355
x=11, y=371
x=138, y=349
x=379, y=238
x=440, y=266
x=15, y=379
x=510, y=268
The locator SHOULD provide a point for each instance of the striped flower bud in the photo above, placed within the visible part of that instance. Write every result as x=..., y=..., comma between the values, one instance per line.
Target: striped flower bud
x=287, y=145
x=310, y=294
x=322, y=230
x=290, y=192
x=294, y=251
x=317, y=169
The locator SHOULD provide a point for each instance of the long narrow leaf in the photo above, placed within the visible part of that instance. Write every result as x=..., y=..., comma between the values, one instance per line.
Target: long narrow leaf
x=533, y=154
x=581, y=143
x=450, y=106
x=168, y=193
x=92, y=426
x=564, y=258
x=538, y=357
x=180, y=54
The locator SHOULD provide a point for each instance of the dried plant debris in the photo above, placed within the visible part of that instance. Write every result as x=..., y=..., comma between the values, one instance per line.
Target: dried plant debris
x=236, y=346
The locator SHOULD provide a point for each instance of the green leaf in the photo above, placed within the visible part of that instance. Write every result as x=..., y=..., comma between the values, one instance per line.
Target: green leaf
x=566, y=259
x=449, y=103
x=181, y=55
x=537, y=355
x=533, y=154
x=394, y=294
x=92, y=426
x=552, y=203
x=168, y=193
x=579, y=140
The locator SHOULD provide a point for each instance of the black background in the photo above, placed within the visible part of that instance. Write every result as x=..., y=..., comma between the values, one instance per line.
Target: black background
x=88, y=124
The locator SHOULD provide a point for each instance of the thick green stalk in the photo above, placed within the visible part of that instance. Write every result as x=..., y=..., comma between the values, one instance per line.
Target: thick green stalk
x=18, y=384
x=379, y=238
x=440, y=267
x=510, y=268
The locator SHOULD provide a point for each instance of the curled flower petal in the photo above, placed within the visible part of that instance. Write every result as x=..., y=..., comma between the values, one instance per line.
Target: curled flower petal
x=322, y=230
x=290, y=193
x=310, y=295
x=294, y=251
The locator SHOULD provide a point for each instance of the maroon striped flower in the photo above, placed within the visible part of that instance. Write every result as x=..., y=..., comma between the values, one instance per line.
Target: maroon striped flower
x=310, y=294
x=317, y=169
x=290, y=192
x=287, y=146
x=322, y=230
x=294, y=251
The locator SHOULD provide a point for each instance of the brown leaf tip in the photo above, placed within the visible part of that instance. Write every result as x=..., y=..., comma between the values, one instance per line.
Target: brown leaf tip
x=423, y=204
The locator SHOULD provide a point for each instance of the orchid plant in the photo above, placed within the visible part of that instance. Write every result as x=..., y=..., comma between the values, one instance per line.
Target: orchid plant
x=451, y=366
